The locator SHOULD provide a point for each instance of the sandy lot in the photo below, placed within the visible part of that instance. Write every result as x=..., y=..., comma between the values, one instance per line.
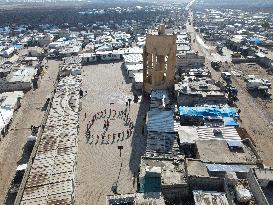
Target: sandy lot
x=100, y=166
x=256, y=113
x=11, y=147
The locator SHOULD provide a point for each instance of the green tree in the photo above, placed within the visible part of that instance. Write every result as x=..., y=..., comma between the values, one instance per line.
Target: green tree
x=265, y=25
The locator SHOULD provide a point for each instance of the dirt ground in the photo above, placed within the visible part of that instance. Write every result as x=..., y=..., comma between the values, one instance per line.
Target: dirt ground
x=11, y=147
x=101, y=166
x=256, y=113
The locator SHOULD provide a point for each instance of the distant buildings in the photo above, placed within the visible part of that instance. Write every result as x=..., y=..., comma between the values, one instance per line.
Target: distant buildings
x=195, y=150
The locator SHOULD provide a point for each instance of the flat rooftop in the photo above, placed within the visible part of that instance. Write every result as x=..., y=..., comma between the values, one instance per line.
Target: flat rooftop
x=137, y=199
x=218, y=151
x=172, y=172
x=264, y=174
x=197, y=168
x=209, y=198
x=190, y=134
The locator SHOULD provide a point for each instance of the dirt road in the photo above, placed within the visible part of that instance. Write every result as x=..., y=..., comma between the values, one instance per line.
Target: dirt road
x=102, y=168
x=30, y=113
x=256, y=113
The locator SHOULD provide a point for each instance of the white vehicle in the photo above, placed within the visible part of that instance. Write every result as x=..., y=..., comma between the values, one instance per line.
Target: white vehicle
x=226, y=75
x=250, y=77
x=9, y=52
x=254, y=84
x=266, y=82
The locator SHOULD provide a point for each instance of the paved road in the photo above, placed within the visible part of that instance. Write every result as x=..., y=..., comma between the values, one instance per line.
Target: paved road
x=190, y=4
x=199, y=44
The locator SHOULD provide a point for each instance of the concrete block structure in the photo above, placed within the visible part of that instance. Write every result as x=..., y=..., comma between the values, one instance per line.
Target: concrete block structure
x=52, y=176
x=159, y=61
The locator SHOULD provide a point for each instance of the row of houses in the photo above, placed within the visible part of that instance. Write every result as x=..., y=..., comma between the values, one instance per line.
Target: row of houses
x=247, y=34
x=50, y=176
x=219, y=24
x=17, y=76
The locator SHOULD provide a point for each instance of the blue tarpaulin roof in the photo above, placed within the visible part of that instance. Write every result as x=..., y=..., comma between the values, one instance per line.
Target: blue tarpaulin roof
x=228, y=112
x=18, y=46
x=229, y=121
x=255, y=40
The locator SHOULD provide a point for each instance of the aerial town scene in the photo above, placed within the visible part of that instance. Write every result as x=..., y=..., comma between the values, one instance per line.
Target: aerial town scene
x=136, y=102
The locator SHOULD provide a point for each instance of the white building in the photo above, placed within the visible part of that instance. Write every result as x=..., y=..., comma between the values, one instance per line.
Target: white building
x=88, y=58
x=9, y=102
x=20, y=80
x=109, y=55
x=131, y=69
x=138, y=81
x=8, y=52
x=189, y=59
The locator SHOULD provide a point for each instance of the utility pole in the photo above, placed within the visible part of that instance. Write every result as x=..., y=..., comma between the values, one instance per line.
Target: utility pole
x=120, y=148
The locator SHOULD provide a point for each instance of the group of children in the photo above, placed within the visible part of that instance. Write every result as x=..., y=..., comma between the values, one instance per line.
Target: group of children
x=113, y=114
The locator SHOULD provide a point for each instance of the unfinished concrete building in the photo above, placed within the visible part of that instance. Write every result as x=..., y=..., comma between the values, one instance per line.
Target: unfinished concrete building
x=159, y=60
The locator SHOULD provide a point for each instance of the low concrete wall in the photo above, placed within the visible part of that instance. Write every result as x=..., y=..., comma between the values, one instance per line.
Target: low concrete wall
x=229, y=196
x=206, y=183
x=175, y=192
x=34, y=151
x=19, y=86
x=256, y=189
x=244, y=60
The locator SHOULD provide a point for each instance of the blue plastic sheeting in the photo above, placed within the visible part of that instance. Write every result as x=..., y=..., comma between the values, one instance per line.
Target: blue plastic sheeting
x=18, y=46
x=208, y=111
x=229, y=121
x=227, y=168
x=255, y=41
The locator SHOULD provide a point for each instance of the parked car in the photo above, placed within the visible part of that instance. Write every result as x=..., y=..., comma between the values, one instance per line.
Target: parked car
x=250, y=77
x=254, y=84
x=226, y=76
x=266, y=82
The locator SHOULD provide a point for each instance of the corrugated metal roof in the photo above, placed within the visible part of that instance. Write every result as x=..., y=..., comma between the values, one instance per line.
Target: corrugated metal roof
x=227, y=168
x=188, y=134
x=133, y=58
x=161, y=121
x=23, y=75
x=159, y=94
x=52, y=176
x=162, y=143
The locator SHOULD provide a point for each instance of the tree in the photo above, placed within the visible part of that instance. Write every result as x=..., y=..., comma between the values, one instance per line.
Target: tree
x=265, y=25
